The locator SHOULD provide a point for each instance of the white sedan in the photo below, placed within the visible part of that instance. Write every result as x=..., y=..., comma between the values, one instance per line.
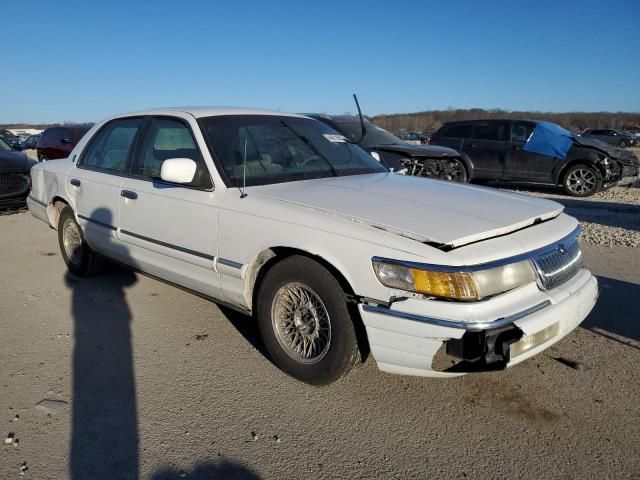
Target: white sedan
x=282, y=218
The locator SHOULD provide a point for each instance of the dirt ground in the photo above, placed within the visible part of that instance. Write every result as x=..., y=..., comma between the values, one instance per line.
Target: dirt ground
x=123, y=377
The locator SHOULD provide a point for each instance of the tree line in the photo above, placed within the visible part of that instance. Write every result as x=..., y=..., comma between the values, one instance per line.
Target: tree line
x=430, y=121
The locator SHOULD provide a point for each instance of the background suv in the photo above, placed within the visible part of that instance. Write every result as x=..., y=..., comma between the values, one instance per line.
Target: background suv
x=57, y=142
x=540, y=152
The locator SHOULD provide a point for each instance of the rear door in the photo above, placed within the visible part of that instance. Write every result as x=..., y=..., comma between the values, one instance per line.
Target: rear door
x=487, y=149
x=171, y=229
x=94, y=184
x=452, y=136
x=523, y=165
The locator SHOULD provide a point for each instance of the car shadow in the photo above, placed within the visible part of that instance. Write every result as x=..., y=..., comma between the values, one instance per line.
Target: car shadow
x=247, y=326
x=616, y=311
x=220, y=470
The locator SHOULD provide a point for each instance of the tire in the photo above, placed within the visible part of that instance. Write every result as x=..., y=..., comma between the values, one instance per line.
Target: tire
x=42, y=158
x=451, y=169
x=77, y=255
x=624, y=143
x=581, y=180
x=305, y=323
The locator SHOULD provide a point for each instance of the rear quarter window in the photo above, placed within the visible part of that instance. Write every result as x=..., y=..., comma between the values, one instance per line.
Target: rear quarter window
x=458, y=131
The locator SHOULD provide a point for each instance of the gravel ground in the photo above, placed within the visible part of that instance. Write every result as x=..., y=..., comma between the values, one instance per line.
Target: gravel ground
x=123, y=377
x=609, y=218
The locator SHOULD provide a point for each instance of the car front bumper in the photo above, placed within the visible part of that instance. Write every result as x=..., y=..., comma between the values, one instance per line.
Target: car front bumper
x=405, y=340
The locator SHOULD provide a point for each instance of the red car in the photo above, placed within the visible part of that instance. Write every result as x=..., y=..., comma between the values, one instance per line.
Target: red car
x=57, y=142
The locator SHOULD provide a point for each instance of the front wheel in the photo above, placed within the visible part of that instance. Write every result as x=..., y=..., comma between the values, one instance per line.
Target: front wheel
x=582, y=180
x=305, y=323
x=451, y=169
x=624, y=143
x=80, y=259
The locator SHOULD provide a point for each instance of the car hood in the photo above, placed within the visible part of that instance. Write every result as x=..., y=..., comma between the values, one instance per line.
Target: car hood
x=15, y=162
x=622, y=154
x=418, y=150
x=440, y=213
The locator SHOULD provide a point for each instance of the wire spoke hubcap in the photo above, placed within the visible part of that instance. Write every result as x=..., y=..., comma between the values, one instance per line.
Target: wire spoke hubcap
x=301, y=323
x=72, y=241
x=581, y=181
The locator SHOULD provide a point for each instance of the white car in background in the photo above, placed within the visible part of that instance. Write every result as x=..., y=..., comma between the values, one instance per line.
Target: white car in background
x=280, y=217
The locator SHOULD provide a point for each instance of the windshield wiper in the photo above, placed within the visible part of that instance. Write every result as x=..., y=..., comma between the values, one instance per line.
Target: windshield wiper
x=308, y=142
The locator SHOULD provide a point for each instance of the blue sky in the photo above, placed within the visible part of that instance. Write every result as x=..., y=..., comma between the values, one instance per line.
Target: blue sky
x=82, y=61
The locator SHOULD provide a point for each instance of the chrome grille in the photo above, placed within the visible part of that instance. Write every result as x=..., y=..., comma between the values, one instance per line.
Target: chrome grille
x=13, y=184
x=559, y=265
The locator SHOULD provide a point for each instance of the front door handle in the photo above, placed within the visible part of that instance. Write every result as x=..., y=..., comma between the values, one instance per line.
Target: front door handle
x=129, y=194
x=75, y=182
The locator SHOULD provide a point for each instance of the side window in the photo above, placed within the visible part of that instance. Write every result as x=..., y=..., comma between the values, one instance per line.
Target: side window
x=520, y=132
x=169, y=138
x=110, y=147
x=490, y=131
x=458, y=131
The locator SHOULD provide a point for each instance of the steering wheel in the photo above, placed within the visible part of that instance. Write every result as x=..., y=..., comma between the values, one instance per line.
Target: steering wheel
x=312, y=158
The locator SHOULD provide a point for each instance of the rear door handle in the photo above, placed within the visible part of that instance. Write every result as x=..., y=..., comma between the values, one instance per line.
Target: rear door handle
x=75, y=182
x=129, y=194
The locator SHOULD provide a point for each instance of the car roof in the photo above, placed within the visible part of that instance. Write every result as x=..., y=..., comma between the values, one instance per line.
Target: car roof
x=200, y=112
x=487, y=120
x=334, y=118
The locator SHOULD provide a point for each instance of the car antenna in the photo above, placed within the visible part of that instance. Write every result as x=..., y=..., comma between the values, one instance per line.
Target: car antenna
x=244, y=171
x=364, y=130
x=362, y=126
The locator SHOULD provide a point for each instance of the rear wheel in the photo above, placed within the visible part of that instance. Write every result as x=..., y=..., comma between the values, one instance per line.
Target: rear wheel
x=305, y=322
x=581, y=180
x=77, y=255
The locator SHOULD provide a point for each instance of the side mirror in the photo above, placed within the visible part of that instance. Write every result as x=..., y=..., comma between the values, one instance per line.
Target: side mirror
x=178, y=170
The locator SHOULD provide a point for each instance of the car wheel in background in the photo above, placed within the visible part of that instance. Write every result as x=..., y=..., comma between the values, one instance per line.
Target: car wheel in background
x=41, y=158
x=581, y=180
x=450, y=169
x=624, y=143
x=77, y=255
x=454, y=170
x=304, y=321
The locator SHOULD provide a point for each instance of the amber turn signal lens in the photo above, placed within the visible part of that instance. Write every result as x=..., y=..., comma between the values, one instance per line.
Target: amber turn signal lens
x=457, y=285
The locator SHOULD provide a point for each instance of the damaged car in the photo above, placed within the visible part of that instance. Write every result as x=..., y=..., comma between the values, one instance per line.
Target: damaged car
x=397, y=154
x=14, y=176
x=335, y=257
x=538, y=152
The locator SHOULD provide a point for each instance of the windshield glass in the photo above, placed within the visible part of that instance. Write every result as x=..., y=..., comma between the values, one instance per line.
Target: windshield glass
x=282, y=149
x=375, y=135
x=4, y=146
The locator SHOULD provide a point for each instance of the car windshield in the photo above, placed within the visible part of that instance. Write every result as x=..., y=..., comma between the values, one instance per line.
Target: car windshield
x=375, y=135
x=270, y=149
x=4, y=146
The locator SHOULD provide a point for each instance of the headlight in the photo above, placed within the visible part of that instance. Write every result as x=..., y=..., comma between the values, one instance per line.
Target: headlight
x=458, y=285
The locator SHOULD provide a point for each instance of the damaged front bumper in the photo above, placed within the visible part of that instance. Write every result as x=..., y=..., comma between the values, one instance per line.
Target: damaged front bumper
x=619, y=175
x=405, y=337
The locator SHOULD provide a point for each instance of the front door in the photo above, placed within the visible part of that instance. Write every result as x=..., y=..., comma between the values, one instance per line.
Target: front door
x=94, y=184
x=523, y=165
x=171, y=229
